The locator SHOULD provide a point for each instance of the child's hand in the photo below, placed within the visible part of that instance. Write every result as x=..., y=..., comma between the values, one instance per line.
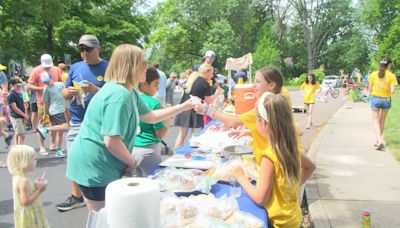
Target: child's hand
x=237, y=172
x=40, y=184
x=238, y=133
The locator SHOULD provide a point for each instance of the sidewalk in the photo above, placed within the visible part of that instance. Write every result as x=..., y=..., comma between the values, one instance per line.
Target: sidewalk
x=351, y=176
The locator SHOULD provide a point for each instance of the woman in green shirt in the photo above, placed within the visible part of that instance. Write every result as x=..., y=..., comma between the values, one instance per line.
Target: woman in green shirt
x=100, y=153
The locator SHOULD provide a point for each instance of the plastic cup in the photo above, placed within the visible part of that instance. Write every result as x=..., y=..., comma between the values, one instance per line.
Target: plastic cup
x=234, y=189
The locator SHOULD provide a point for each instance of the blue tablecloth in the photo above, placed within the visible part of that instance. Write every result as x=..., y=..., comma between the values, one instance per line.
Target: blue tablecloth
x=246, y=204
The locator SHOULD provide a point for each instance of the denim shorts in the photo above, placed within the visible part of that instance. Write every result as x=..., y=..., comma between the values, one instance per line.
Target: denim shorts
x=380, y=102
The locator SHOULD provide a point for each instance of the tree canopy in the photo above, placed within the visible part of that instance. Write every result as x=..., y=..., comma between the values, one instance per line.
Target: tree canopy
x=296, y=36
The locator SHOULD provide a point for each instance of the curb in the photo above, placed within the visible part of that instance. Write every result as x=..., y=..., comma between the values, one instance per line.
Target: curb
x=318, y=214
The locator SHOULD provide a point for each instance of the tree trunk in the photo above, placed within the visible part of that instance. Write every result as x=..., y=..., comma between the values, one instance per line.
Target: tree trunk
x=50, y=42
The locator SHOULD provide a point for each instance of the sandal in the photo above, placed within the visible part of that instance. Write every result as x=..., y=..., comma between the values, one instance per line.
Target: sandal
x=380, y=147
x=43, y=152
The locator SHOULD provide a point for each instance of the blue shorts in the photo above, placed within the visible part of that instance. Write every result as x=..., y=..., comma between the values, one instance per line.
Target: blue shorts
x=380, y=103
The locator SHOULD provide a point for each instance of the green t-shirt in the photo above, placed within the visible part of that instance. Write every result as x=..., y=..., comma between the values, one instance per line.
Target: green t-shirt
x=147, y=134
x=113, y=111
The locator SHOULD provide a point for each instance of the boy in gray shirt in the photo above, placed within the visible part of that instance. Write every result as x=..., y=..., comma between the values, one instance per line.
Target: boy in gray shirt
x=54, y=106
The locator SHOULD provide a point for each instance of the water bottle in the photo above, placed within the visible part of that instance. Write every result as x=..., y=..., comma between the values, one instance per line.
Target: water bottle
x=235, y=190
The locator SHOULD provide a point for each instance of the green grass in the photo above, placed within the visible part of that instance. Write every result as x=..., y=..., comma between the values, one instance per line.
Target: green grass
x=292, y=87
x=392, y=127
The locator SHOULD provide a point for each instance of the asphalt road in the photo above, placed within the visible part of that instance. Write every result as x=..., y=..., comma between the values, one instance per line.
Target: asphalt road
x=59, y=186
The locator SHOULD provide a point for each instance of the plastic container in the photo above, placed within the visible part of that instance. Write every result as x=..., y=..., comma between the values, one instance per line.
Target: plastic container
x=234, y=189
x=244, y=97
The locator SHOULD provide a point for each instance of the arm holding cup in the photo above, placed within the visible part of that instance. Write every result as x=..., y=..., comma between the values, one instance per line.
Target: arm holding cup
x=156, y=116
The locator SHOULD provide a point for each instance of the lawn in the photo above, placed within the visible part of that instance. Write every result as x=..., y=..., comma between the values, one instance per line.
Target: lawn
x=290, y=88
x=392, y=127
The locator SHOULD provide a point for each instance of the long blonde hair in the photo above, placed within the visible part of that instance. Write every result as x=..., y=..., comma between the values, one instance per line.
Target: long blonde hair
x=282, y=134
x=188, y=85
x=18, y=159
x=204, y=68
x=126, y=64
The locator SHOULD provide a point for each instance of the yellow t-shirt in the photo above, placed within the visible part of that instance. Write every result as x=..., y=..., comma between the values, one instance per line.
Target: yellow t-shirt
x=381, y=87
x=309, y=92
x=249, y=120
x=287, y=94
x=64, y=76
x=283, y=209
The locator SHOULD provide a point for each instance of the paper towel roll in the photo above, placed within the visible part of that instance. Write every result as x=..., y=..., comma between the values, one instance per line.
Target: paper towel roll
x=133, y=203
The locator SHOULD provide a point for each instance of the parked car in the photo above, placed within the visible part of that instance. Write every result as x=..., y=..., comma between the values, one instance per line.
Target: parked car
x=334, y=80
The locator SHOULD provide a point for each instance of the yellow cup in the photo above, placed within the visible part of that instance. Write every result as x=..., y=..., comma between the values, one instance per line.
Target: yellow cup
x=240, y=80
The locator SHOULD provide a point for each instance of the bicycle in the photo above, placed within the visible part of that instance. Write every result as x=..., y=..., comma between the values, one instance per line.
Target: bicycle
x=334, y=92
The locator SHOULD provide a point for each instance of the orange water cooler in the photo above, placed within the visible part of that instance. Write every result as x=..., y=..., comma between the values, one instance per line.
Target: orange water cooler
x=244, y=97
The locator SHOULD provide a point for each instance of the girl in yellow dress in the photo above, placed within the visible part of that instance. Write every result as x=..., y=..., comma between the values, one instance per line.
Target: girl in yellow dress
x=282, y=167
x=309, y=88
x=28, y=209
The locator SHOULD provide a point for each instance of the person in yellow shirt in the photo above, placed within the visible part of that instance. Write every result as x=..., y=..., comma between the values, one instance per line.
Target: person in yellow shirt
x=282, y=167
x=309, y=88
x=267, y=79
x=381, y=85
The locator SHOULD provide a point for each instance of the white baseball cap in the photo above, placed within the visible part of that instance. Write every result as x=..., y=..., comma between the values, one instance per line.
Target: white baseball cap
x=46, y=60
x=209, y=53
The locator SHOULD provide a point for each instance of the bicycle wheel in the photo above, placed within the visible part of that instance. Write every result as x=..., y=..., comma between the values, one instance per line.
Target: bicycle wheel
x=335, y=93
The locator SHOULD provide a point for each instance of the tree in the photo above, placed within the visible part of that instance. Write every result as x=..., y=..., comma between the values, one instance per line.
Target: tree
x=54, y=26
x=183, y=30
x=383, y=18
x=267, y=52
x=321, y=20
x=347, y=52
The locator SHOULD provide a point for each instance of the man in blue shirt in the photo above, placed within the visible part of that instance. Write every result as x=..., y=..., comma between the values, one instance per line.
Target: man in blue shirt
x=162, y=86
x=84, y=79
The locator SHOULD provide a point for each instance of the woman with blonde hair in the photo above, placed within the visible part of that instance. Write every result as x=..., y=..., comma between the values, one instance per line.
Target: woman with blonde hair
x=202, y=89
x=101, y=153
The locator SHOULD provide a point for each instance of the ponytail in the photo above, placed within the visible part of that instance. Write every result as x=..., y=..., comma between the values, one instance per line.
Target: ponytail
x=383, y=65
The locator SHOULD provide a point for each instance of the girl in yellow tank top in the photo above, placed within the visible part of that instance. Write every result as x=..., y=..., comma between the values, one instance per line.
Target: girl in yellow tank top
x=28, y=209
x=282, y=168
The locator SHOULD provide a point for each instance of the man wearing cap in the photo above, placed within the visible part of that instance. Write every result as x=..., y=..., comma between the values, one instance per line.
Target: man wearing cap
x=170, y=88
x=208, y=58
x=89, y=75
x=36, y=85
